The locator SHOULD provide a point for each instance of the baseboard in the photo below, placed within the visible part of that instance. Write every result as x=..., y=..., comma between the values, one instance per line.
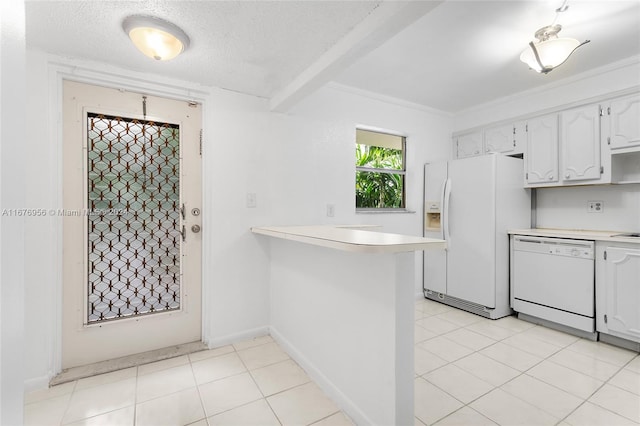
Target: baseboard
x=236, y=337
x=327, y=386
x=37, y=383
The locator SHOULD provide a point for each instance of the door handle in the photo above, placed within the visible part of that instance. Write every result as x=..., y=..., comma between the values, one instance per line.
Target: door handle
x=447, y=198
x=183, y=232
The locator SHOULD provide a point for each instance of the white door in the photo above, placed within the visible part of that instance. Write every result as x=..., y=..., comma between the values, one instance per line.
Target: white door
x=623, y=292
x=469, y=145
x=435, y=261
x=471, y=228
x=132, y=261
x=500, y=139
x=542, y=150
x=581, y=143
x=623, y=121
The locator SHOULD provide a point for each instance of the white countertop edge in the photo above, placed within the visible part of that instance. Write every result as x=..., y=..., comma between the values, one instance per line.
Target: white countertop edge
x=577, y=234
x=349, y=238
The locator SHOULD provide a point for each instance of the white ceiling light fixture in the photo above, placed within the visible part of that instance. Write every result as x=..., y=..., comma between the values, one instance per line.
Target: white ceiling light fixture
x=155, y=37
x=550, y=51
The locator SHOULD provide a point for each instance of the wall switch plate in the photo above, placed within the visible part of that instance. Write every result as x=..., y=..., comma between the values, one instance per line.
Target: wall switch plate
x=595, y=206
x=251, y=200
x=331, y=210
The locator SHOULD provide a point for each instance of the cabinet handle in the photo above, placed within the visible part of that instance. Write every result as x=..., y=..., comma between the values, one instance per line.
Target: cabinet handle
x=550, y=177
x=567, y=176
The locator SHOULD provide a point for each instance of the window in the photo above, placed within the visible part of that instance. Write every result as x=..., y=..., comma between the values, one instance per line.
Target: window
x=380, y=170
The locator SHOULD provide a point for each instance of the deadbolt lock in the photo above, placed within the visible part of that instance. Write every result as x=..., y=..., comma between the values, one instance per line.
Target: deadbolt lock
x=195, y=211
x=195, y=229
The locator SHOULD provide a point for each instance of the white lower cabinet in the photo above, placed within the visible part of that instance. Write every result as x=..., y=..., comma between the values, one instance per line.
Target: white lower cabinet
x=618, y=290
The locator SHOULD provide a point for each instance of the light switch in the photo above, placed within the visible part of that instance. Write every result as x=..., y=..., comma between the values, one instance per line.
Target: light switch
x=331, y=210
x=251, y=200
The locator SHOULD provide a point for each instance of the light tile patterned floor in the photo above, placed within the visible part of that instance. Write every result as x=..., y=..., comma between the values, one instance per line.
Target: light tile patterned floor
x=469, y=371
x=474, y=371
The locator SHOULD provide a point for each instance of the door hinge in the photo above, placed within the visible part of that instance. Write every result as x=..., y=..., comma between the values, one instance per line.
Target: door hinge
x=608, y=110
x=200, y=147
x=601, y=112
x=601, y=169
x=608, y=140
x=606, y=320
x=605, y=255
x=526, y=175
x=526, y=127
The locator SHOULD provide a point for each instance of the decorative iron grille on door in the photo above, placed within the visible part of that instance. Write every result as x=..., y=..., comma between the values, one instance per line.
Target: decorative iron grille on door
x=134, y=217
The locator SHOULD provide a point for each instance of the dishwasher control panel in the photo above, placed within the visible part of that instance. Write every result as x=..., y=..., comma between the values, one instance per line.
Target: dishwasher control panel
x=555, y=246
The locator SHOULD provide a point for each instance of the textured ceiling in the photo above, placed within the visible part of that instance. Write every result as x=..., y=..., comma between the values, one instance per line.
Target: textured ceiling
x=465, y=53
x=449, y=56
x=253, y=47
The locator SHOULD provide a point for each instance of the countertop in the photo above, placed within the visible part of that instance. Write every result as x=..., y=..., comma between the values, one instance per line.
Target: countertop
x=578, y=234
x=350, y=238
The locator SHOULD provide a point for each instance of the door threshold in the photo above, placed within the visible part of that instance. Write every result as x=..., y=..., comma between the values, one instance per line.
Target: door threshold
x=108, y=366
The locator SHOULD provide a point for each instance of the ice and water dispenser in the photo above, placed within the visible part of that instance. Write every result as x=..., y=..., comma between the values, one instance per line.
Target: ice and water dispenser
x=432, y=215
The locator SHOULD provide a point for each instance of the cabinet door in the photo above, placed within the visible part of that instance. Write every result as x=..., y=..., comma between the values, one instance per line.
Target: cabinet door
x=542, y=150
x=623, y=291
x=500, y=139
x=580, y=140
x=519, y=137
x=624, y=125
x=469, y=145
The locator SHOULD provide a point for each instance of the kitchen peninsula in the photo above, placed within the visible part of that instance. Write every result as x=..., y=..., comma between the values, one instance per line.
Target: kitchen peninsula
x=342, y=305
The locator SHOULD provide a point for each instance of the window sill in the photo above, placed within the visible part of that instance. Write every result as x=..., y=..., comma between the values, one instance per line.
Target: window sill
x=384, y=211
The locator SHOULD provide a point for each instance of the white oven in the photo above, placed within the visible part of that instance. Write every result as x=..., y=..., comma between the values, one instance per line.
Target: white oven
x=554, y=279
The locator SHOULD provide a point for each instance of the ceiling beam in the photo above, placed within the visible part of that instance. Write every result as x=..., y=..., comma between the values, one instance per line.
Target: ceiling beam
x=389, y=18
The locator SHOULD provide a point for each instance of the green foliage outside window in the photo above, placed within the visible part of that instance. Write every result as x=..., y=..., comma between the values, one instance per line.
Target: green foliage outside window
x=378, y=183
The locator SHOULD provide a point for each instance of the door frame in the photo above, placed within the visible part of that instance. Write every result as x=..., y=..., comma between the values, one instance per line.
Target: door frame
x=58, y=71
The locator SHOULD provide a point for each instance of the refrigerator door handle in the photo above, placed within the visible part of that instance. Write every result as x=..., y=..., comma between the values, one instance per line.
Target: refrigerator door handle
x=445, y=211
x=443, y=214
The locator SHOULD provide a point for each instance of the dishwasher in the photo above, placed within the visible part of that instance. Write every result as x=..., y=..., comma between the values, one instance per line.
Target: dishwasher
x=554, y=279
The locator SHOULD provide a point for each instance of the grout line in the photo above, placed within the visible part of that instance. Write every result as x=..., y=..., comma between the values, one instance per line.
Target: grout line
x=598, y=389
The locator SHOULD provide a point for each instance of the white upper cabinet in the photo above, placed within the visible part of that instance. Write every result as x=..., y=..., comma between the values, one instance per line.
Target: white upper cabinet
x=623, y=116
x=499, y=139
x=580, y=142
x=508, y=139
x=469, y=145
x=541, y=158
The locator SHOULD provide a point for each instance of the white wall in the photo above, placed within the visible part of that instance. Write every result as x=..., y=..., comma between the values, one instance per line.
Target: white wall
x=295, y=164
x=567, y=207
x=12, y=162
x=611, y=78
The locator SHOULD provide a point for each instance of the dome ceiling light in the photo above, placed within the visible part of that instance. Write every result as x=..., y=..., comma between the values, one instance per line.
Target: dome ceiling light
x=155, y=37
x=550, y=51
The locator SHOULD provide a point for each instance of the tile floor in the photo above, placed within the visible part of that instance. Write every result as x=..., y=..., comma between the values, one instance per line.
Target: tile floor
x=469, y=371
x=474, y=371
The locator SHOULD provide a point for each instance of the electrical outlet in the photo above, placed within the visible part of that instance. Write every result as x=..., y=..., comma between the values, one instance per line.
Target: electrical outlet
x=595, y=206
x=331, y=210
x=251, y=200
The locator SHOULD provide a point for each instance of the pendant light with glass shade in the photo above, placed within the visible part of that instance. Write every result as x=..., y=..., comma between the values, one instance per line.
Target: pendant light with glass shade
x=158, y=39
x=550, y=51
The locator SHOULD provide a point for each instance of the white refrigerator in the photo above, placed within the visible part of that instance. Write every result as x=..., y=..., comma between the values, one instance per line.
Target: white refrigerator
x=472, y=203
